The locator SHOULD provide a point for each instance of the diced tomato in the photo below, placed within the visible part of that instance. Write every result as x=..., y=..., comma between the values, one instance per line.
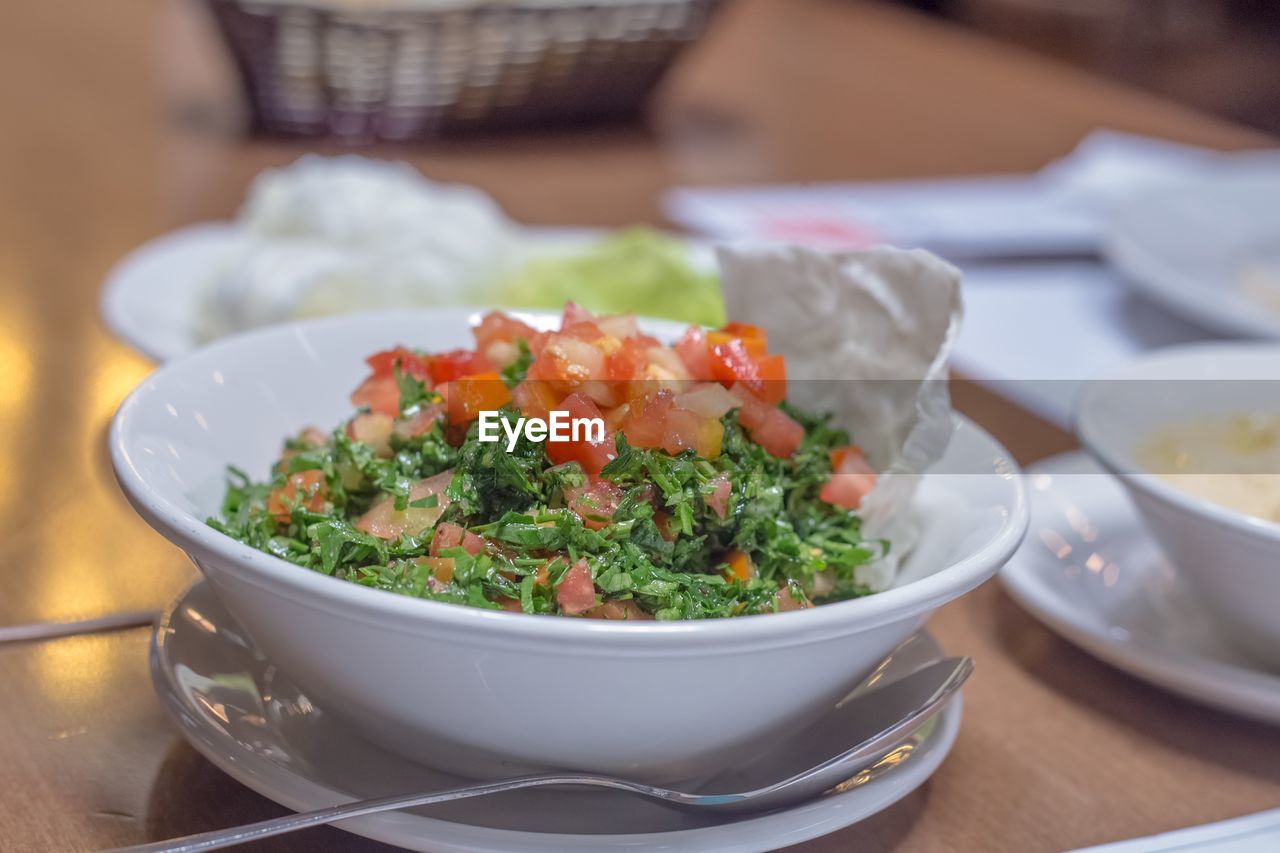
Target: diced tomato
x=754, y=347
x=695, y=353
x=653, y=421
x=645, y=422
x=740, y=566
x=788, y=601
x=710, y=438
x=450, y=535
x=718, y=499
x=419, y=422
x=620, y=326
x=578, y=322
x=441, y=567
x=373, y=429
x=576, y=592
x=310, y=438
x=778, y=434
x=380, y=394
x=496, y=338
x=305, y=488
x=838, y=455
x=680, y=431
x=666, y=368
x=746, y=332
x=768, y=426
x=384, y=521
x=709, y=399
x=594, y=502
x=730, y=362
x=688, y=430
x=614, y=417
x=511, y=605
x=851, y=478
x=473, y=544
x=626, y=361
x=456, y=364
x=383, y=363
x=471, y=395
x=604, y=394
x=662, y=520
x=567, y=360
x=764, y=376
x=626, y=610
x=496, y=326
x=751, y=412
x=771, y=386
x=313, y=437
x=586, y=331
x=591, y=455
x=535, y=399
x=574, y=314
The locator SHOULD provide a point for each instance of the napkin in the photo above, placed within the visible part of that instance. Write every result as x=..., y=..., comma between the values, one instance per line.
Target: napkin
x=866, y=336
x=1061, y=210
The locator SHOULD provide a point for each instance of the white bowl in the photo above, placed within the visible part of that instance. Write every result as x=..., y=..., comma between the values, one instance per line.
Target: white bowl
x=1230, y=559
x=516, y=692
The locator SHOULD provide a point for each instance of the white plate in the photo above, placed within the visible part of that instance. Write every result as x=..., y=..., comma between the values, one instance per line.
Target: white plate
x=248, y=719
x=1255, y=833
x=1089, y=571
x=152, y=298
x=1202, y=248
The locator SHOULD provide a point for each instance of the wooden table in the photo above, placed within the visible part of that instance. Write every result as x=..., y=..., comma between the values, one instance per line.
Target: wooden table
x=114, y=130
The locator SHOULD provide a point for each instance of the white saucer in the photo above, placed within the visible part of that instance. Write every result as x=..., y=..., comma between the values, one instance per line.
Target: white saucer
x=1206, y=249
x=249, y=720
x=1089, y=571
x=152, y=297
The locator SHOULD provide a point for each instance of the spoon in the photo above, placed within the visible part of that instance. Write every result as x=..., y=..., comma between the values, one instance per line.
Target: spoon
x=53, y=630
x=798, y=769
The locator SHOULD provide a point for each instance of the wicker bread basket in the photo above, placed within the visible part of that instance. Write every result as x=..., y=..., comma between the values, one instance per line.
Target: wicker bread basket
x=366, y=72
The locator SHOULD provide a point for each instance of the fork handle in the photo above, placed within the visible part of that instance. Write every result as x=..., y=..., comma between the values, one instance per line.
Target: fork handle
x=220, y=838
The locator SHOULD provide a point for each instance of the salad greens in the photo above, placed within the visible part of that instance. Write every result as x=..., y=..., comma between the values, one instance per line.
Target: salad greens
x=629, y=270
x=517, y=501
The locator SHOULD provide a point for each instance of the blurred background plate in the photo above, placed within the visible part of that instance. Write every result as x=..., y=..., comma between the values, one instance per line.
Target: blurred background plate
x=1207, y=250
x=153, y=298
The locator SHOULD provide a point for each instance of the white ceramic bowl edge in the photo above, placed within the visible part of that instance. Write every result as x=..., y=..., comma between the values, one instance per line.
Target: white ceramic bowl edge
x=1229, y=558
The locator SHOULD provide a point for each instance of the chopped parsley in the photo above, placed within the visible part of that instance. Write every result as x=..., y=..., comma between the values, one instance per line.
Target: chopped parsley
x=661, y=553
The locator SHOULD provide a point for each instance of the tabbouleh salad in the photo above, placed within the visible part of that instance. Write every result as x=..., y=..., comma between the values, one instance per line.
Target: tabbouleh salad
x=707, y=496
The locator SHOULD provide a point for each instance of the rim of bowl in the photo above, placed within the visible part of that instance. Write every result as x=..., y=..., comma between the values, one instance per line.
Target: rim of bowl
x=182, y=527
x=1120, y=462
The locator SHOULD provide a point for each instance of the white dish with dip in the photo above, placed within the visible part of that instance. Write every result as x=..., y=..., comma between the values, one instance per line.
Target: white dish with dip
x=1206, y=250
x=1231, y=559
x=1232, y=461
